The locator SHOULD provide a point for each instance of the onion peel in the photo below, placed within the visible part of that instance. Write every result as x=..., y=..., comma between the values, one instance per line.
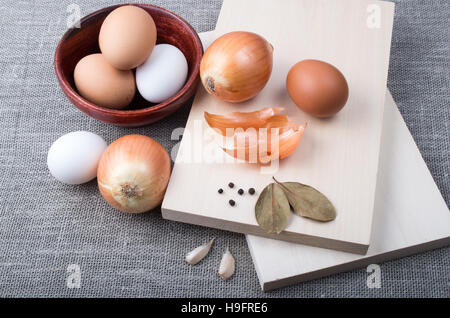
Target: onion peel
x=257, y=137
x=242, y=120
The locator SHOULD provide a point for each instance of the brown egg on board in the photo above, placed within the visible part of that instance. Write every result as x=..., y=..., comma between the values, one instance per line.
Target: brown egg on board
x=317, y=87
x=127, y=37
x=102, y=84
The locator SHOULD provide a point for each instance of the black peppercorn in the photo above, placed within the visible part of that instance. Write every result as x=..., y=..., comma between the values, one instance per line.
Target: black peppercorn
x=241, y=192
x=232, y=203
x=251, y=191
x=220, y=191
x=231, y=185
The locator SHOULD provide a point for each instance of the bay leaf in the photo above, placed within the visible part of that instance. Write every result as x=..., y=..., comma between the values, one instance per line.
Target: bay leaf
x=272, y=210
x=308, y=202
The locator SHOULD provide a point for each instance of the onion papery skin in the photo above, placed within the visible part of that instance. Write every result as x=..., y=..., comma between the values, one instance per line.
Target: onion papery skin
x=243, y=120
x=260, y=150
x=133, y=174
x=249, y=136
x=237, y=66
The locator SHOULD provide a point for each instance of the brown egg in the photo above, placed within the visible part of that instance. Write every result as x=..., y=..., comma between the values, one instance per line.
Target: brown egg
x=316, y=87
x=102, y=84
x=127, y=37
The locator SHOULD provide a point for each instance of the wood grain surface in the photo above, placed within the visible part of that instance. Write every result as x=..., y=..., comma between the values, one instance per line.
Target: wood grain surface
x=410, y=217
x=338, y=156
x=410, y=214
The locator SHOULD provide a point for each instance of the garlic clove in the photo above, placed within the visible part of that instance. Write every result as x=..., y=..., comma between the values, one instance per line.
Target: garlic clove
x=198, y=253
x=227, y=265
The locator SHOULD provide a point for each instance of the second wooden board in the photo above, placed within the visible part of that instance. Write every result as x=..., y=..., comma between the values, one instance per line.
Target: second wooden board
x=410, y=217
x=338, y=156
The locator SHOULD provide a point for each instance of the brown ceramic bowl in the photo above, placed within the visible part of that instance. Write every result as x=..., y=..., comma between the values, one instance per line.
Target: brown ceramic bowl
x=79, y=42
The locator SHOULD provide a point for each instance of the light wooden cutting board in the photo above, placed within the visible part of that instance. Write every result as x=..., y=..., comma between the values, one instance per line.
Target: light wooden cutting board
x=410, y=217
x=338, y=156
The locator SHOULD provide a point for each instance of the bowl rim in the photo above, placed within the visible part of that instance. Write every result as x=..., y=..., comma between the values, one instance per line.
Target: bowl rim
x=132, y=112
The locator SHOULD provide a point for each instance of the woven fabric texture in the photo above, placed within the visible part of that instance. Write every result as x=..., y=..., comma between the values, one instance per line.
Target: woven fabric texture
x=45, y=226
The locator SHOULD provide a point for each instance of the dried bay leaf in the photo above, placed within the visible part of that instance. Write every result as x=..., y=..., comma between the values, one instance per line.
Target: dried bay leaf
x=308, y=202
x=272, y=210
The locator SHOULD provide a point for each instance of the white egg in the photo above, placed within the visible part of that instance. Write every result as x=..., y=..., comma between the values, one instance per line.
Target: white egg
x=73, y=158
x=163, y=74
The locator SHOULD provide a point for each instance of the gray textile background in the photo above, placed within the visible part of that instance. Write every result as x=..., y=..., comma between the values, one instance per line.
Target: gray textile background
x=45, y=225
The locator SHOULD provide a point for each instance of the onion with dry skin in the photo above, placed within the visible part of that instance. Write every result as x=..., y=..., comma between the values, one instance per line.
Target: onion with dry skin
x=258, y=137
x=236, y=66
x=133, y=173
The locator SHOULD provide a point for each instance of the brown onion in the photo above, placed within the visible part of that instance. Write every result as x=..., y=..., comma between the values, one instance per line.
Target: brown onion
x=133, y=173
x=236, y=66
